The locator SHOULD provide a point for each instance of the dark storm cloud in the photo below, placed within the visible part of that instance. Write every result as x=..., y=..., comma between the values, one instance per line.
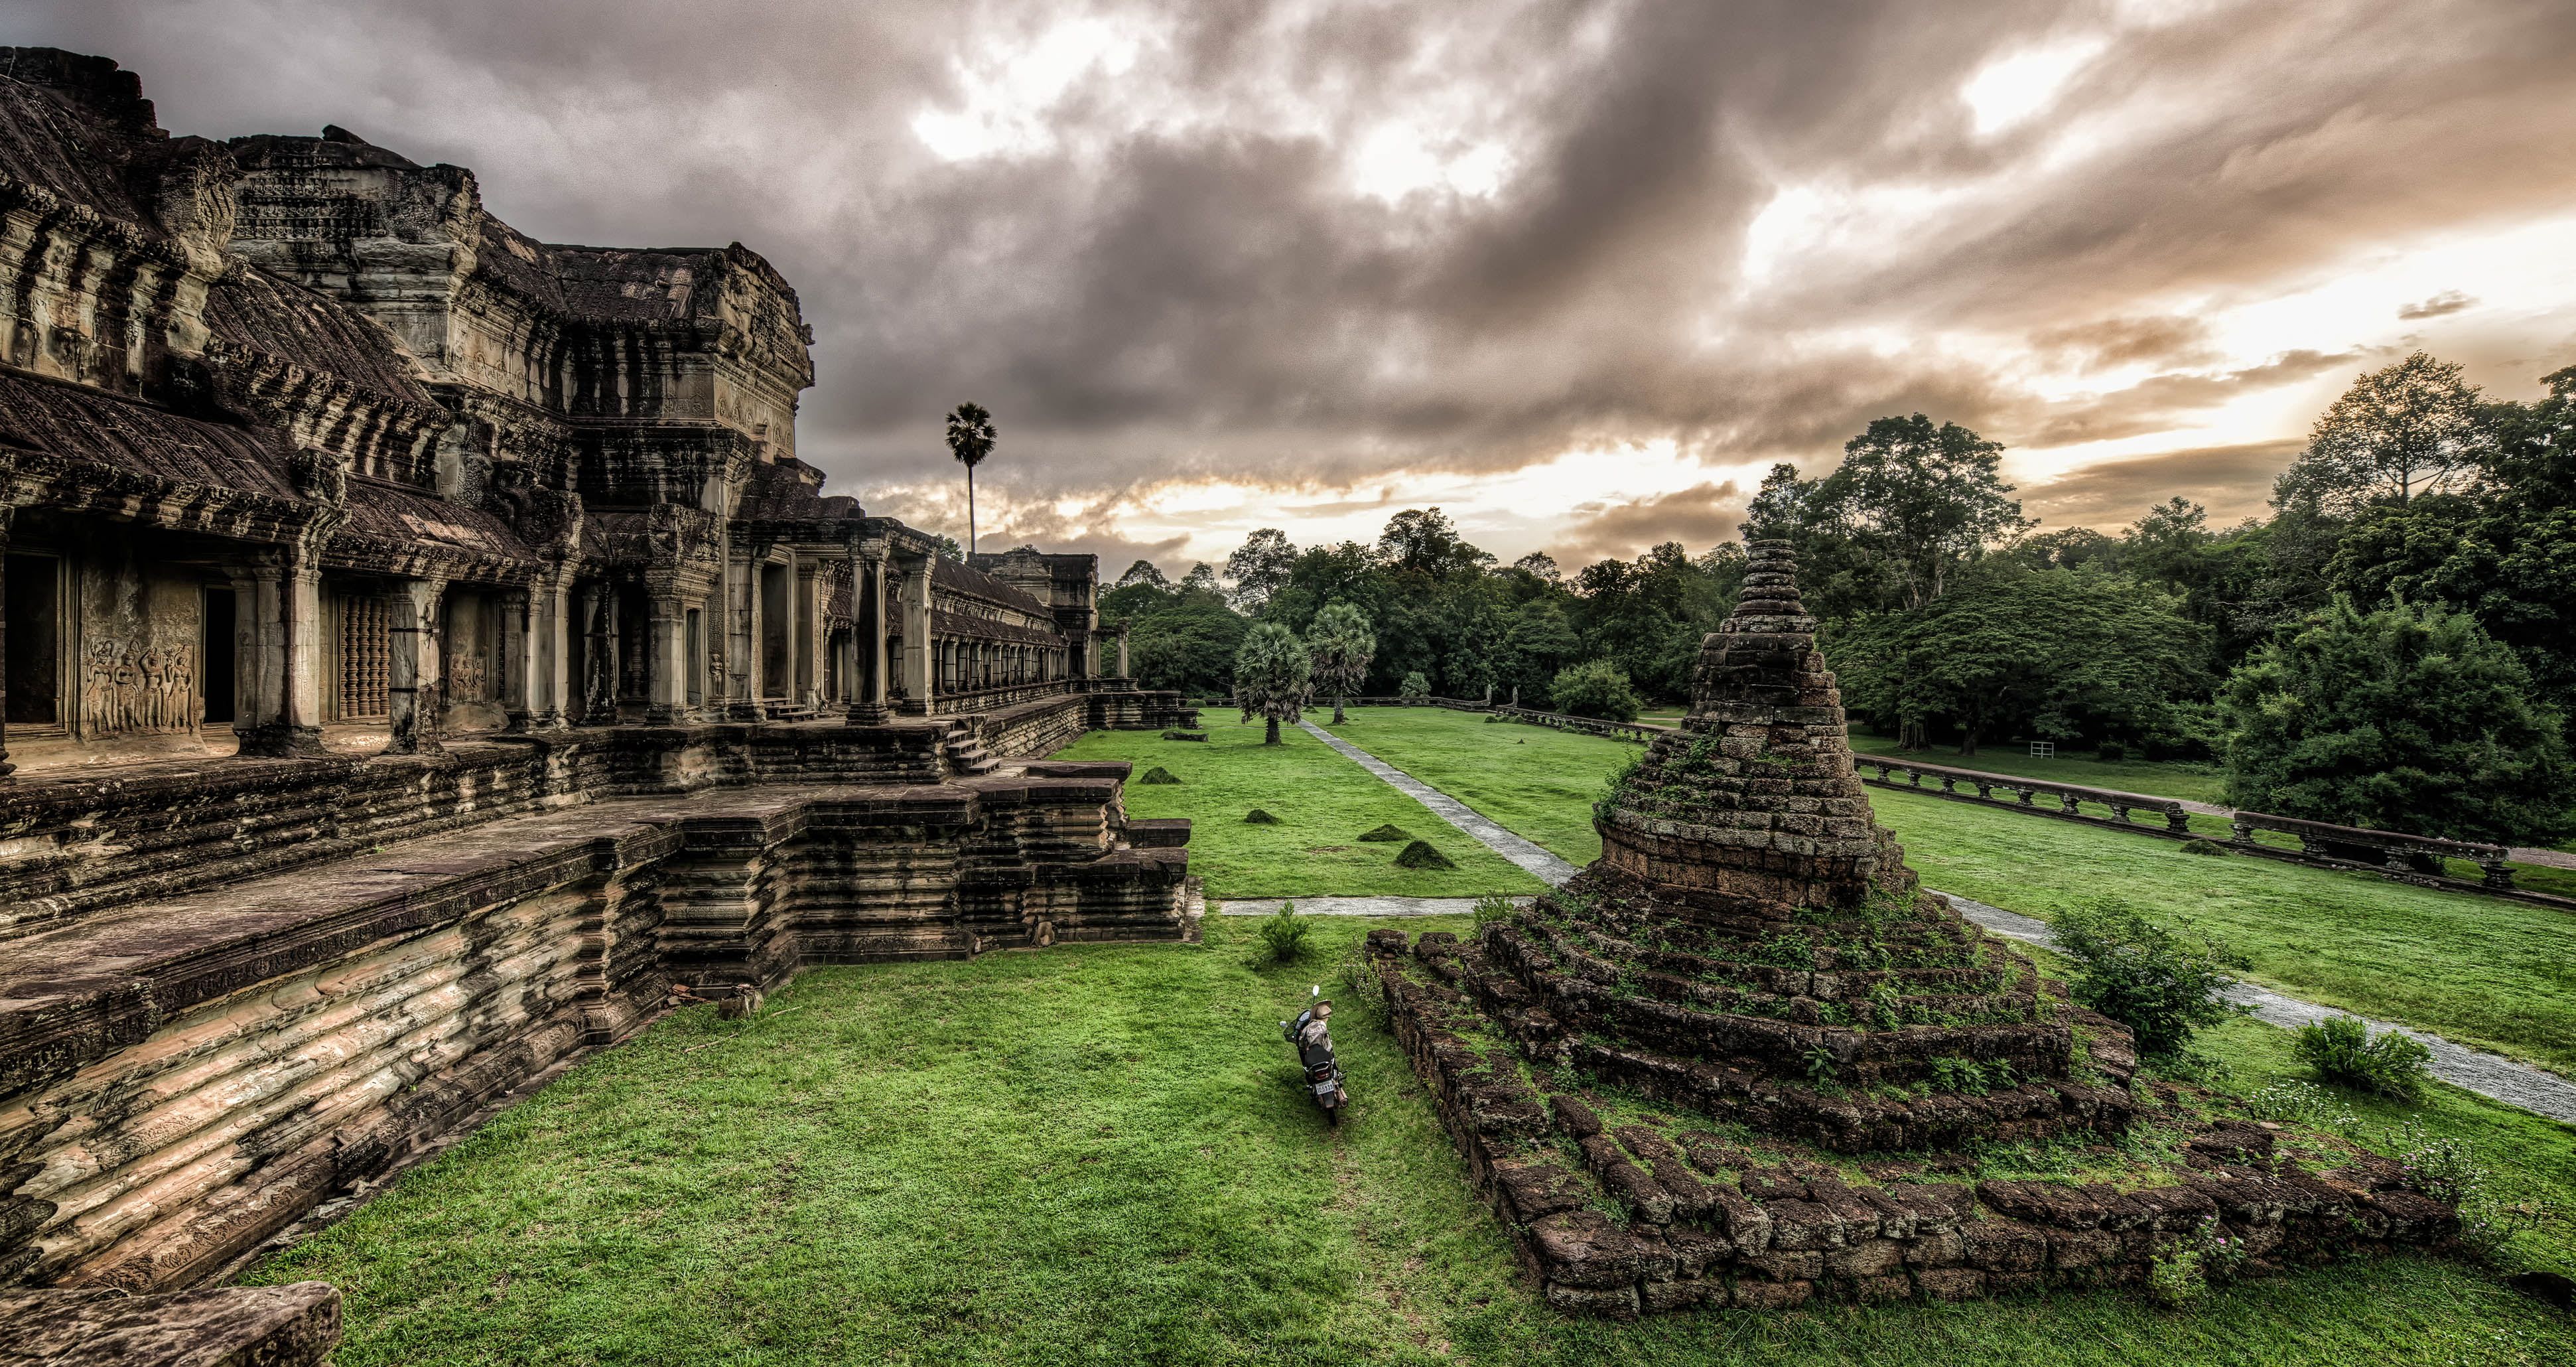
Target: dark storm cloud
x=2233, y=482
x=1165, y=269
x=2440, y=305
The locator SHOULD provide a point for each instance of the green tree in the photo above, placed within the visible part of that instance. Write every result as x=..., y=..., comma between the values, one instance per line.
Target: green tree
x=1414, y=688
x=2408, y=718
x=1272, y=677
x=1180, y=637
x=1926, y=499
x=2405, y=429
x=1540, y=641
x=970, y=440
x=1143, y=572
x=1594, y=688
x=1260, y=567
x=1341, y=644
x=2061, y=654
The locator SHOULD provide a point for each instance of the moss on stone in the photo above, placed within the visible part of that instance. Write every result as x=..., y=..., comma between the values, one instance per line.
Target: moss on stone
x=1387, y=834
x=1420, y=855
x=1157, y=774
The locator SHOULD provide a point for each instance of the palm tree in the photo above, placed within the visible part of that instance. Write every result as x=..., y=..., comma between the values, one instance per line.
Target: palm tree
x=970, y=439
x=1342, y=644
x=1270, y=677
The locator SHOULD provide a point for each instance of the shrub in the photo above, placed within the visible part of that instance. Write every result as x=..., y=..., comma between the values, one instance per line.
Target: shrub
x=1414, y=688
x=2298, y=1103
x=1258, y=817
x=1283, y=933
x=1494, y=906
x=2112, y=752
x=1387, y=834
x=1157, y=774
x=2197, y=846
x=1420, y=855
x=1595, y=688
x=2341, y=1049
x=2161, y=986
x=2174, y=1279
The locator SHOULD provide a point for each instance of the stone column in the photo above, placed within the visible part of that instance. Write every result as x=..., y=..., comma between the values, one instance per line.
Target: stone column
x=258, y=653
x=300, y=613
x=413, y=612
x=517, y=677
x=1122, y=652
x=868, y=630
x=809, y=627
x=743, y=616
x=666, y=664
x=550, y=667
x=7, y=512
x=917, y=648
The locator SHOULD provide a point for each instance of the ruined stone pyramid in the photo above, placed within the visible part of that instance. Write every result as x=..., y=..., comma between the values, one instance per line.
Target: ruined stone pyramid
x=1789, y=1070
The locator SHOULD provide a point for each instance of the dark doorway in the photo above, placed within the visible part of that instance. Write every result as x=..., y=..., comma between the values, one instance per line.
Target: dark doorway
x=34, y=644
x=218, y=655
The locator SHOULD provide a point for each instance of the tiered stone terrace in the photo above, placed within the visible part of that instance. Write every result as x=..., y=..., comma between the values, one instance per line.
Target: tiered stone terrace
x=1791, y=1073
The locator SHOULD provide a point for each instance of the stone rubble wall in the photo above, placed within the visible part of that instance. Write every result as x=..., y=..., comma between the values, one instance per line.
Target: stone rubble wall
x=1709, y=1226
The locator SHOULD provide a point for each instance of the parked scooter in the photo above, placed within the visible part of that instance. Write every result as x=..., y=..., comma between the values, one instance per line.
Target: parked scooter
x=1314, y=1041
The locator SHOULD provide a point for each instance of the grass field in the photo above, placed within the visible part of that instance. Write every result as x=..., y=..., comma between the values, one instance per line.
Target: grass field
x=1323, y=803
x=1098, y=1154
x=1536, y=782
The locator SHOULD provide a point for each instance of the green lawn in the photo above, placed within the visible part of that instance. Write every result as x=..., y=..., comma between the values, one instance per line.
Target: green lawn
x=1323, y=802
x=1536, y=782
x=1099, y=1154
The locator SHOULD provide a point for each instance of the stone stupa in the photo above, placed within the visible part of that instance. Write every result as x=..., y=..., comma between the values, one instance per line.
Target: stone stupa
x=1748, y=1028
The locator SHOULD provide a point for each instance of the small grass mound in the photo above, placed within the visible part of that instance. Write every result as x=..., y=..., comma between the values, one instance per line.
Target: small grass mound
x=1420, y=855
x=1258, y=817
x=1185, y=735
x=1387, y=834
x=1157, y=774
x=2203, y=847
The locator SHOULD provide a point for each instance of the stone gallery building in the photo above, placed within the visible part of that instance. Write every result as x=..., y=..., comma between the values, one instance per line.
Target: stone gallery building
x=423, y=649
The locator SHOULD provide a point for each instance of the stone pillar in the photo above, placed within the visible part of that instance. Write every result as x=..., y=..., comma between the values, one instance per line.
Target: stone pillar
x=666, y=666
x=550, y=649
x=258, y=653
x=809, y=627
x=868, y=631
x=917, y=648
x=517, y=678
x=743, y=617
x=1122, y=652
x=413, y=617
x=6, y=768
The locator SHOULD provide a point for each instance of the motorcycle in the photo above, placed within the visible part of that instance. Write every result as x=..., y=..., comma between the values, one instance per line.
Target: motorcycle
x=1315, y=1054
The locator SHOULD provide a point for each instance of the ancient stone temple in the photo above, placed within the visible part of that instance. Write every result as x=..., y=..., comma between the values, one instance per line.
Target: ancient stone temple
x=1793, y=1073
x=424, y=649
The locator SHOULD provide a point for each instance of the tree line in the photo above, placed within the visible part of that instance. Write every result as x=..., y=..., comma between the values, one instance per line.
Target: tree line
x=2387, y=647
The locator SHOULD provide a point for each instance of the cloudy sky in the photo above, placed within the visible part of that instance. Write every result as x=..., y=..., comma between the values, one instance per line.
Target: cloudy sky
x=1576, y=272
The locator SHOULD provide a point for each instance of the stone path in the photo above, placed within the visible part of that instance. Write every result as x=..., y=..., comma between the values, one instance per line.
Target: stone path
x=2489, y=1075
x=2515, y=1084
x=1548, y=868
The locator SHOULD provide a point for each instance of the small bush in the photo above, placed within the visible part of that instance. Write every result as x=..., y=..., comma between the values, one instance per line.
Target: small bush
x=1185, y=735
x=1494, y=906
x=1387, y=834
x=1283, y=933
x=1415, y=688
x=2161, y=986
x=2196, y=846
x=2341, y=1049
x=1597, y=689
x=2174, y=1280
x=1157, y=774
x=1258, y=817
x=2112, y=752
x=1420, y=855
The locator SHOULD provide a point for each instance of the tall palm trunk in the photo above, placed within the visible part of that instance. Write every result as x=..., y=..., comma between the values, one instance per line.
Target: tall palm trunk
x=970, y=510
x=1338, y=718
x=1271, y=736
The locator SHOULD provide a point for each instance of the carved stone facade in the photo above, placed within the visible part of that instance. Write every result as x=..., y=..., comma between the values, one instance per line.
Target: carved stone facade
x=423, y=648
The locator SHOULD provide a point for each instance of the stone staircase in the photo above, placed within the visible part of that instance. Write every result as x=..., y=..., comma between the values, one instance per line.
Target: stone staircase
x=964, y=746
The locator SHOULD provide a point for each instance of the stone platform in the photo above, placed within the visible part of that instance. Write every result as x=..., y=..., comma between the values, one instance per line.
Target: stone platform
x=1745, y=1060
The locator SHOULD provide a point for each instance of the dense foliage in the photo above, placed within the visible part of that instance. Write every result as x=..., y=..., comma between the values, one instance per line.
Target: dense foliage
x=2407, y=718
x=1594, y=688
x=1272, y=677
x=1342, y=644
x=2342, y=1050
x=1953, y=619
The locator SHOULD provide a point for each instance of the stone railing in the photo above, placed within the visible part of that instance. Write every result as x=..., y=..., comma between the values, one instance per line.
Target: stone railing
x=2070, y=799
x=2393, y=851
x=1589, y=726
x=970, y=700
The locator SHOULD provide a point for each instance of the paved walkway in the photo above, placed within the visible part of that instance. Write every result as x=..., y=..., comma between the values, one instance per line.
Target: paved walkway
x=2515, y=1084
x=2489, y=1075
x=1549, y=869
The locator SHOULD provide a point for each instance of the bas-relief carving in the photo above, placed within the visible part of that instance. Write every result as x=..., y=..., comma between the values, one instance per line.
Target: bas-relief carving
x=138, y=651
